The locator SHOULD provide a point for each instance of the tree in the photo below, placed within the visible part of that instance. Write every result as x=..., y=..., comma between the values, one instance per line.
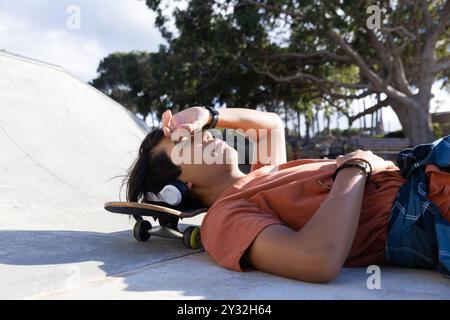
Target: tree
x=327, y=48
x=279, y=53
x=130, y=79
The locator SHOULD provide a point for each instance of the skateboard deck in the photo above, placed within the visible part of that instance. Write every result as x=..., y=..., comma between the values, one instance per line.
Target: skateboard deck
x=168, y=219
x=150, y=210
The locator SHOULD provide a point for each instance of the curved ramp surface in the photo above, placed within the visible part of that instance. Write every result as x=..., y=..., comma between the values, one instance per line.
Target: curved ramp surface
x=62, y=142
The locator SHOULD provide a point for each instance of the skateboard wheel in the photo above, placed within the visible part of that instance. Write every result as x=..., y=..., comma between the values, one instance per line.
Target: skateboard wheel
x=191, y=238
x=140, y=230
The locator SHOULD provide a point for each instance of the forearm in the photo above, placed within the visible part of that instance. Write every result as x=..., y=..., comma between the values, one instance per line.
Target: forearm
x=239, y=118
x=263, y=128
x=331, y=231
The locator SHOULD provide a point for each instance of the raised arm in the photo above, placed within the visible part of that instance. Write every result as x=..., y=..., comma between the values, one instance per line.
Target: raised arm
x=264, y=128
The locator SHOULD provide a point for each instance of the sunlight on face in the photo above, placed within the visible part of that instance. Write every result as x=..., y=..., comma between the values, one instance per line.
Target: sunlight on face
x=200, y=148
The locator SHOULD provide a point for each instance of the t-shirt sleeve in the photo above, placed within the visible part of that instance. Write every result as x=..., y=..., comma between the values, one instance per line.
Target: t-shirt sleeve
x=230, y=227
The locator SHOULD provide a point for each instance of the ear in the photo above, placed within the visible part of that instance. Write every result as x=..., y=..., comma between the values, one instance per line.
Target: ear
x=189, y=185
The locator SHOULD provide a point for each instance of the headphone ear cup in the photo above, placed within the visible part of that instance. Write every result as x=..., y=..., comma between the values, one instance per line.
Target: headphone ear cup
x=171, y=195
x=178, y=192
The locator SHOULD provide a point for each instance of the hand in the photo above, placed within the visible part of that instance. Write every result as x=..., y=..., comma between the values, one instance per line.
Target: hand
x=192, y=119
x=378, y=164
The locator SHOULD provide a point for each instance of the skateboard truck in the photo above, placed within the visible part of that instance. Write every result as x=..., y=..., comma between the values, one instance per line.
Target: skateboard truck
x=168, y=219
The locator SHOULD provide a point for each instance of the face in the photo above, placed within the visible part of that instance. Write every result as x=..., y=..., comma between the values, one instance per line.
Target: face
x=200, y=156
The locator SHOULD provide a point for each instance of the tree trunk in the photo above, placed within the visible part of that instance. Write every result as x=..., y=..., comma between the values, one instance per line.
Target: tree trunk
x=416, y=123
x=364, y=118
x=337, y=125
x=298, y=124
x=317, y=123
x=373, y=123
x=381, y=121
x=328, y=122
x=286, y=118
x=307, y=135
x=349, y=133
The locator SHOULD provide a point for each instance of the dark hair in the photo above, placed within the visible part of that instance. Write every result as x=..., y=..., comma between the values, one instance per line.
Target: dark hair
x=151, y=171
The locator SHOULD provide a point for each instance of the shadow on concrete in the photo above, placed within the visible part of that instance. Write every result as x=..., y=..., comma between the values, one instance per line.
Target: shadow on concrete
x=118, y=253
x=137, y=264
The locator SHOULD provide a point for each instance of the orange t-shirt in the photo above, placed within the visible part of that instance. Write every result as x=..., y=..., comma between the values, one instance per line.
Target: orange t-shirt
x=290, y=194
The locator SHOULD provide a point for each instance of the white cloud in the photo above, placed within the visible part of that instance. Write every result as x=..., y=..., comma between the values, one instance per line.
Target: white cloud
x=38, y=29
x=78, y=55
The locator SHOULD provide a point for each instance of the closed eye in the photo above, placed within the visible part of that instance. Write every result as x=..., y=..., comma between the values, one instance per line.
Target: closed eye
x=183, y=139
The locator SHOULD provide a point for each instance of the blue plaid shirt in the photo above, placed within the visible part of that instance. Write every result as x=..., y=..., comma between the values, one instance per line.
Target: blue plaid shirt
x=419, y=236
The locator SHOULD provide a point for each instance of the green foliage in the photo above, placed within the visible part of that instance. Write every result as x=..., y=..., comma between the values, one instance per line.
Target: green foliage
x=135, y=80
x=229, y=52
x=344, y=133
x=438, y=133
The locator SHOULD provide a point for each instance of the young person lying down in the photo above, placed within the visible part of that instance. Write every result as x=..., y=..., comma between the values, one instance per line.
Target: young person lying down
x=287, y=218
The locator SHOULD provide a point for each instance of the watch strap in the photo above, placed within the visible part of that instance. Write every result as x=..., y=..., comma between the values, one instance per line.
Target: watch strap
x=215, y=117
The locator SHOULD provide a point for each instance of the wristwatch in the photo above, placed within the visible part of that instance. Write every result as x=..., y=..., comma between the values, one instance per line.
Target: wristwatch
x=215, y=117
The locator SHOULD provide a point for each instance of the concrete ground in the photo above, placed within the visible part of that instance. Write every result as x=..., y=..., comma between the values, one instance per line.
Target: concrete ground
x=62, y=143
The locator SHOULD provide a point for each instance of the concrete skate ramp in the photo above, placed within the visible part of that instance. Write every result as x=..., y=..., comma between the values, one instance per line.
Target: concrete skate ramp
x=61, y=143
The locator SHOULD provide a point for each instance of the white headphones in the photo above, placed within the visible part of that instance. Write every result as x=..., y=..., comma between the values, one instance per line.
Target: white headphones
x=172, y=194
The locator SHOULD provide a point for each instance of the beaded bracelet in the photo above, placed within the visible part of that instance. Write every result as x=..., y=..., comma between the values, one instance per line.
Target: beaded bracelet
x=356, y=163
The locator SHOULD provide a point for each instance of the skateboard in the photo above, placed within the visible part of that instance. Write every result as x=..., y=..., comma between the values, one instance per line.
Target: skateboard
x=168, y=219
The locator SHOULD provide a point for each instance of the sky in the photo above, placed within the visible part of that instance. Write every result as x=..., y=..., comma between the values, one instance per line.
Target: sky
x=50, y=31
x=45, y=30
